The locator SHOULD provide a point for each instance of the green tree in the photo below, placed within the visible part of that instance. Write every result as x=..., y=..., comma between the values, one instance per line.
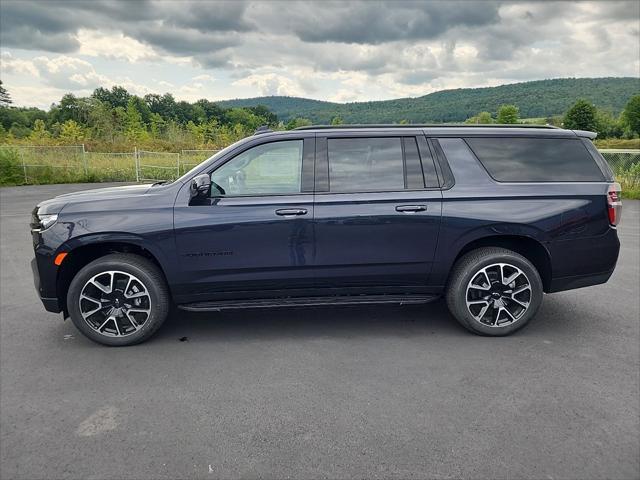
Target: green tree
x=116, y=97
x=631, y=114
x=244, y=117
x=581, y=116
x=71, y=132
x=337, y=120
x=104, y=122
x=607, y=126
x=5, y=98
x=483, y=118
x=157, y=125
x=39, y=134
x=134, y=129
x=19, y=130
x=298, y=122
x=508, y=114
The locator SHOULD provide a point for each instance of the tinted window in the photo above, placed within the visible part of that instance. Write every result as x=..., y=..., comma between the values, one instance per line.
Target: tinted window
x=536, y=159
x=412, y=166
x=272, y=168
x=365, y=164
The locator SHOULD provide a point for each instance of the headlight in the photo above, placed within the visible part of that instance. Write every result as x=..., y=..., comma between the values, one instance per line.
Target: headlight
x=47, y=220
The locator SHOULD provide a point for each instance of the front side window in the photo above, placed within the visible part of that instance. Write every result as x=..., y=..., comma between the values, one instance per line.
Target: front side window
x=267, y=169
x=365, y=164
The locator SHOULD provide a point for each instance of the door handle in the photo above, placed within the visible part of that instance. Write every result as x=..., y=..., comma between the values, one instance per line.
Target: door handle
x=285, y=212
x=411, y=208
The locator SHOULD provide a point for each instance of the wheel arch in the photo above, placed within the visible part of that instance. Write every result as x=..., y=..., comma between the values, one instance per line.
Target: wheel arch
x=86, y=252
x=528, y=247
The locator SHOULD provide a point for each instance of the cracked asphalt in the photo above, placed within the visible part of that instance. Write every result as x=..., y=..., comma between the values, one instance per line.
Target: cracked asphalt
x=351, y=392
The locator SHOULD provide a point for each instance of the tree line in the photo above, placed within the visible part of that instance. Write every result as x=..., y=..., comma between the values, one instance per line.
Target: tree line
x=116, y=120
x=582, y=115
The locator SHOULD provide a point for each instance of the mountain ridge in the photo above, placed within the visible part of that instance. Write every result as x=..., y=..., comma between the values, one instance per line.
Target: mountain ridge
x=537, y=98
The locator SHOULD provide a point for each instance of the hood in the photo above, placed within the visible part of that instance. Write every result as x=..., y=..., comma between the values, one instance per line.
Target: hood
x=56, y=204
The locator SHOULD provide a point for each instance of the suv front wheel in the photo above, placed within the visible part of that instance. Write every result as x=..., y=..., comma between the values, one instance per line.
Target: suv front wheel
x=494, y=291
x=119, y=299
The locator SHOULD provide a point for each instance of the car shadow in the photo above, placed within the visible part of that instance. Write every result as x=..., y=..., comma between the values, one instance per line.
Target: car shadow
x=311, y=322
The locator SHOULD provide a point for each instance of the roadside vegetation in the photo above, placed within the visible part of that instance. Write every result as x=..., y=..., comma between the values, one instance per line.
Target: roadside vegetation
x=84, y=132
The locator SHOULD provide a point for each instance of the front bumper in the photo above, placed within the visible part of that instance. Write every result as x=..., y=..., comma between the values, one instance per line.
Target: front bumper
x=44, y=279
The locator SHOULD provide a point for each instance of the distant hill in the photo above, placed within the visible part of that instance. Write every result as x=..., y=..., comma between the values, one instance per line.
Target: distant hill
x=539, y=98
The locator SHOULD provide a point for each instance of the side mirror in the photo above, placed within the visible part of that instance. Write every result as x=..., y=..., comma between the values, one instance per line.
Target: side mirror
x=201, y=186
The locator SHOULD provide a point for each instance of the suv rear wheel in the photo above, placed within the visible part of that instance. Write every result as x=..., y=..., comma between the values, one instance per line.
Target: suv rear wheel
x=118, y=299
x=494, y=291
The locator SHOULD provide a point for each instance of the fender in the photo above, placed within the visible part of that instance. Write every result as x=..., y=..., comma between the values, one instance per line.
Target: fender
x=116, y=237
x=450, y=247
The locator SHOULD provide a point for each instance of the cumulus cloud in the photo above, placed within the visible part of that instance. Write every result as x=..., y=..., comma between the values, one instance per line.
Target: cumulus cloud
x=271, y=84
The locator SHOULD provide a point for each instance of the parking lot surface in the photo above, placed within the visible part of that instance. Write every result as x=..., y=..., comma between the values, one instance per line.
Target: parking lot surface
x=376, y=392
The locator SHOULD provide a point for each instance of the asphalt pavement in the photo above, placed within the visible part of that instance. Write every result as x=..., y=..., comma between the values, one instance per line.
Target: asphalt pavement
x=349, y=392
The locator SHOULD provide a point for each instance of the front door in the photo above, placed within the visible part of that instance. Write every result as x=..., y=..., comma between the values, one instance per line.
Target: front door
x=377, y=212
x=254, y=234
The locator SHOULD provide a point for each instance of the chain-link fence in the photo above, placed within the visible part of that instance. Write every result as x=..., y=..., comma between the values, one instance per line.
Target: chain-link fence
x=30, y=164
x=59, y=164
x=625, y=165
x=191, y=158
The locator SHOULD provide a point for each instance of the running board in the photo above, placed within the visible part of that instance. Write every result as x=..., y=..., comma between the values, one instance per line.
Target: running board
x=217, y=306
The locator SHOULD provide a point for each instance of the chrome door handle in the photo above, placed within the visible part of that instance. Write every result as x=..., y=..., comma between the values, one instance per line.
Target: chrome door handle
x=411, y=208
x=285, y=212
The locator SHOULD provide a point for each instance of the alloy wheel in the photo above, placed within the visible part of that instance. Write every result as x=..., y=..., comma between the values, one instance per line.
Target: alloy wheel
x=115, y=303
x=498, y=295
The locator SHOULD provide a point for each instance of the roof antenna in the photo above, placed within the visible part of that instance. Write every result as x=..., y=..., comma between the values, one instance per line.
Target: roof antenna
x=262, y=129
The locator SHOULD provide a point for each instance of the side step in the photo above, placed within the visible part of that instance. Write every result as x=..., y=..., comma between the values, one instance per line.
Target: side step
x=217, y=306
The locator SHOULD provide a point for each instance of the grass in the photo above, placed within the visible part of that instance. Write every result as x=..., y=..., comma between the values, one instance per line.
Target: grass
x=618, y=143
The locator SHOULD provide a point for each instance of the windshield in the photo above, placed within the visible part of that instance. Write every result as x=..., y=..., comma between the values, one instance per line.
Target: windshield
x=211, y=159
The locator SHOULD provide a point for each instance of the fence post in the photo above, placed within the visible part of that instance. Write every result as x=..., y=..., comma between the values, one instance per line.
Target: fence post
x=84, y=161
x=24, y=167
x=178, y=165
x=136, y=162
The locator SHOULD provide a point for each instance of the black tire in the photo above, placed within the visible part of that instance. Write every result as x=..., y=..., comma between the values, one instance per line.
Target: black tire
x=144, y=271
x=468, y=267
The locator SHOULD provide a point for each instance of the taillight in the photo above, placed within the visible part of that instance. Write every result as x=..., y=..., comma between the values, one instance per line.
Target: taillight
x=614, y=203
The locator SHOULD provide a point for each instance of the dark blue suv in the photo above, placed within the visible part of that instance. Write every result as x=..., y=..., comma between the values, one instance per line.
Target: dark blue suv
x=489, y=217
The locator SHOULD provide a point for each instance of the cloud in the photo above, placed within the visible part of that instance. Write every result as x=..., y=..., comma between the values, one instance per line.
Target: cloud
x=272, y=84
x=368, y=22
x=345, y=51
x=114, y=45
x=68, y=73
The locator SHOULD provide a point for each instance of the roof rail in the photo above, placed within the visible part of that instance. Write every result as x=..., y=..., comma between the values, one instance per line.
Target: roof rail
x=262, y=129
x=427, y=125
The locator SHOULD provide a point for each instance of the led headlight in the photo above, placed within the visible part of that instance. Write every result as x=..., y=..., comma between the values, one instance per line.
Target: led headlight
x=47, y=220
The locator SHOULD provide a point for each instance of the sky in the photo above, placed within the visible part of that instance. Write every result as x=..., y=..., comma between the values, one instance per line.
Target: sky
x=342, y=51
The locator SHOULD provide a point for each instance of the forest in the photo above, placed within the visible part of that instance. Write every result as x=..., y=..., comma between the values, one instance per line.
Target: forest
x=536, y=99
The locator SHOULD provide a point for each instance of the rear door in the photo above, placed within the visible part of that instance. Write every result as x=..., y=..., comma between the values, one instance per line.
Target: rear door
x=377, y=210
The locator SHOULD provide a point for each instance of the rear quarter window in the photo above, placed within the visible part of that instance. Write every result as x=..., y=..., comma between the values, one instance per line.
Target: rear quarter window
x=536, y=159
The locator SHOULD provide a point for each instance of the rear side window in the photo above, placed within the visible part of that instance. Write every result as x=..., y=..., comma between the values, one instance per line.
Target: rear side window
x=365, y=164
x=536, y=159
